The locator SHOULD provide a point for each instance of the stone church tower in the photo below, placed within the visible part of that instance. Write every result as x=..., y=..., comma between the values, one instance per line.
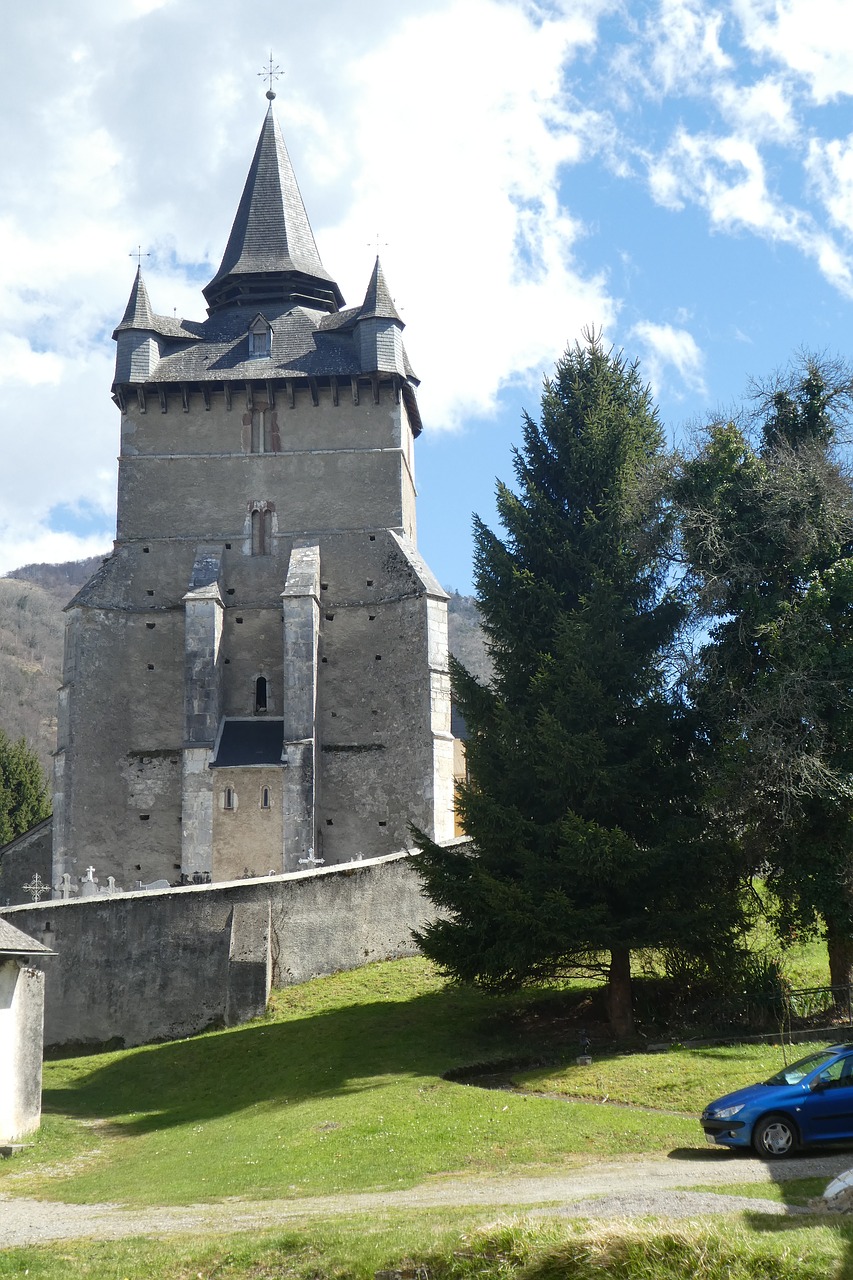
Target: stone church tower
x=256, y=679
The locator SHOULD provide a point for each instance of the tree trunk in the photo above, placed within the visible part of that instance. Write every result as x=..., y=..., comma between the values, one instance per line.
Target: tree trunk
x=619, y=1005
x=839, y=945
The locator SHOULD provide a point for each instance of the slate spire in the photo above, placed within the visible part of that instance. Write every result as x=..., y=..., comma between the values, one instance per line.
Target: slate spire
x=271, y=255
x=378, y=303
x=137, y=313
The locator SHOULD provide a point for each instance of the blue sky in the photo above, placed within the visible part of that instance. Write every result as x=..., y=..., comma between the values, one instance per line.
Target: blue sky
x=679, y=174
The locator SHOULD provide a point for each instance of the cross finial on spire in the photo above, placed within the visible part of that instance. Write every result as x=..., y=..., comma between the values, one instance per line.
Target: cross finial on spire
x=378, y=243
x=138, y=255
x=270, y=73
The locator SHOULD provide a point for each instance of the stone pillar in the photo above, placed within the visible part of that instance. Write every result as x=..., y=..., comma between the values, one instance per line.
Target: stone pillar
x=301, y=611
x=203, y=614
x=21, y=1023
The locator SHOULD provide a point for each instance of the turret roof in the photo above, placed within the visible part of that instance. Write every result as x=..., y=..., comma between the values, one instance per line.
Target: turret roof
x=271, y=253
x=378, y=303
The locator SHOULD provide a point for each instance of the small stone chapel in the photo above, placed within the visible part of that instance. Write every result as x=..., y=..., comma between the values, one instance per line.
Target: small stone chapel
x=256, y=679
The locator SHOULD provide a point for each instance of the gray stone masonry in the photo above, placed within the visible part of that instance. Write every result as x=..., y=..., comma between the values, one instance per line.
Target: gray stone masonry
x=164, y=964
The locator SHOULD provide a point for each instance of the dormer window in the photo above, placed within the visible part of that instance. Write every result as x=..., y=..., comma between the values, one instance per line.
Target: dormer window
x=260, y=338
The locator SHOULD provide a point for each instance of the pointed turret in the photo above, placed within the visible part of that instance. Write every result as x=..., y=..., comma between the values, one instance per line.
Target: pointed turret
x=271, y=256
x=378, y=303
x=137, y=347
x=137, y=313
x=379, y=329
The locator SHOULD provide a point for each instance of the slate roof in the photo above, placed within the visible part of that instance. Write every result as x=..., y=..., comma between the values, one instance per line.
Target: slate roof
x=247, y=742
x=271, y=234
x=378, y=302
x=272, y=266
x=13, y=942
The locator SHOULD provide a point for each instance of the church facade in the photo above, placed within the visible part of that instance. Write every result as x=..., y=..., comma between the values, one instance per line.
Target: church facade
x=256, y=679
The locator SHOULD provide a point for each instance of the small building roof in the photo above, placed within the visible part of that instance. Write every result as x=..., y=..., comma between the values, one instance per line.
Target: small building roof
x=249, y=742
x=14, y=942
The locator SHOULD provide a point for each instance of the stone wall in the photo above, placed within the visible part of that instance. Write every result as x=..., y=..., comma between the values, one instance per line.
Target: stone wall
x=159, y=965
x=21, y=997
x=23, y=858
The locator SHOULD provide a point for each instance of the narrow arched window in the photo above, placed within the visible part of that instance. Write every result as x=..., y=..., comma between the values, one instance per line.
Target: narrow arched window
x=261, y=694
x=257, y=533
x=265, y=797
x=259, y=435
x=229, y=799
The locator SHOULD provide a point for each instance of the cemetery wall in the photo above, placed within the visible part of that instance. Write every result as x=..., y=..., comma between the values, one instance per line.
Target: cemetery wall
x=163, y=964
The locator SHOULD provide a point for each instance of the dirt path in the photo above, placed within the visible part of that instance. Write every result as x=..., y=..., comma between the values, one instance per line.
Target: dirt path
x=628, y=1187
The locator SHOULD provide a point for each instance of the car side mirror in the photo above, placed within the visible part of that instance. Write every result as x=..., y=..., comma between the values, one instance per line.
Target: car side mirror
x=819, y=1082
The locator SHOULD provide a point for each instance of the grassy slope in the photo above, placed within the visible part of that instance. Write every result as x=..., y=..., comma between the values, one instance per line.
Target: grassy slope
x=338, y=1089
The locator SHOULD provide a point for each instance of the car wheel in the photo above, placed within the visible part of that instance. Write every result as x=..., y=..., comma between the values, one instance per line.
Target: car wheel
x=774, y=1137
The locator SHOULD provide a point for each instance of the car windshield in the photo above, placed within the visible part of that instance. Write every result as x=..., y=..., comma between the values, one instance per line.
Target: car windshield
x=797, y=1071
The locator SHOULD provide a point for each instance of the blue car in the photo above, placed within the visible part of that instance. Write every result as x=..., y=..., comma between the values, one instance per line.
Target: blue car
x=809, y=1101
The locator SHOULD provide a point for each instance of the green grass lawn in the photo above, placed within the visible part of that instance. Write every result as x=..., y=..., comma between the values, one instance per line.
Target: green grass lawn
x=338, y=1089
x=470, y=1246
x=678, y=1079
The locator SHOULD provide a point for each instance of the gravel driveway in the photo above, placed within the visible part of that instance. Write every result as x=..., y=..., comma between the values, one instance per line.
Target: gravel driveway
x=630, y=1187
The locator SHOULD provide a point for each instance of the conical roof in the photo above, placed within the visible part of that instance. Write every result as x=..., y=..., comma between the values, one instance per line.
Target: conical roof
x=271, y=255
x=378, y=303
x=137, y=313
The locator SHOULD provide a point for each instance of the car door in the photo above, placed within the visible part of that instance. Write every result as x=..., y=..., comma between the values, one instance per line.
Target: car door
x=826, y=1112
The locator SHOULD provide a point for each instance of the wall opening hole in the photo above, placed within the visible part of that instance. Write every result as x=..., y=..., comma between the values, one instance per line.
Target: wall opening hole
x=371, y=617
x=379, y=657
x=324, y=586
x=239, y=621
x=230, y=591
x=227, y=661
x=149, y=593
x=373, y=537
x=370, y=582
x=261, y=693
x=150, y=666
x=383, y=824
x=138, y=866
x=143, y=817
x=330, y=617
x=324, y=659
x=151, y=625
x=227, y=546
x=146, y=550
x=329, y=822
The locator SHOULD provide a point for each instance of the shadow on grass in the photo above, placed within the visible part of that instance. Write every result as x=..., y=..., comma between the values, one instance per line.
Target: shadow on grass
x=336, y=1051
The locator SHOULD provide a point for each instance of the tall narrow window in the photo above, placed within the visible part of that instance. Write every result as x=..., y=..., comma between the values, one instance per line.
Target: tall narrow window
x=265, y=797
x=259, y=440
x=258, y=529
x=258, y=548
x=229, y=799
x=261, y=694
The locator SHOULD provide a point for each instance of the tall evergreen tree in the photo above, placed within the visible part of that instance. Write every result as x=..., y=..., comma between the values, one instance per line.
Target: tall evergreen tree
x=24, y=799
x=579, y=801
x=768, y=536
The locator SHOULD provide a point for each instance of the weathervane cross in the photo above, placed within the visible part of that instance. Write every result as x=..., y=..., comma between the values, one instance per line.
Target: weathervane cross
x=379, y=243
x=138, y=255
x=270, y=73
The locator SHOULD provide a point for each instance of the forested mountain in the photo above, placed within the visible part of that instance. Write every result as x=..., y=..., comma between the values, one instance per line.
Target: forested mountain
x=31, y=629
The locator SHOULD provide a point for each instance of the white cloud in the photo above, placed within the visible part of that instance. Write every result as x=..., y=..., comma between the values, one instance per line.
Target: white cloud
x=762, y=112
x=812, y=38
x=830, y=166
x=665, y=348
x=684, y=37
